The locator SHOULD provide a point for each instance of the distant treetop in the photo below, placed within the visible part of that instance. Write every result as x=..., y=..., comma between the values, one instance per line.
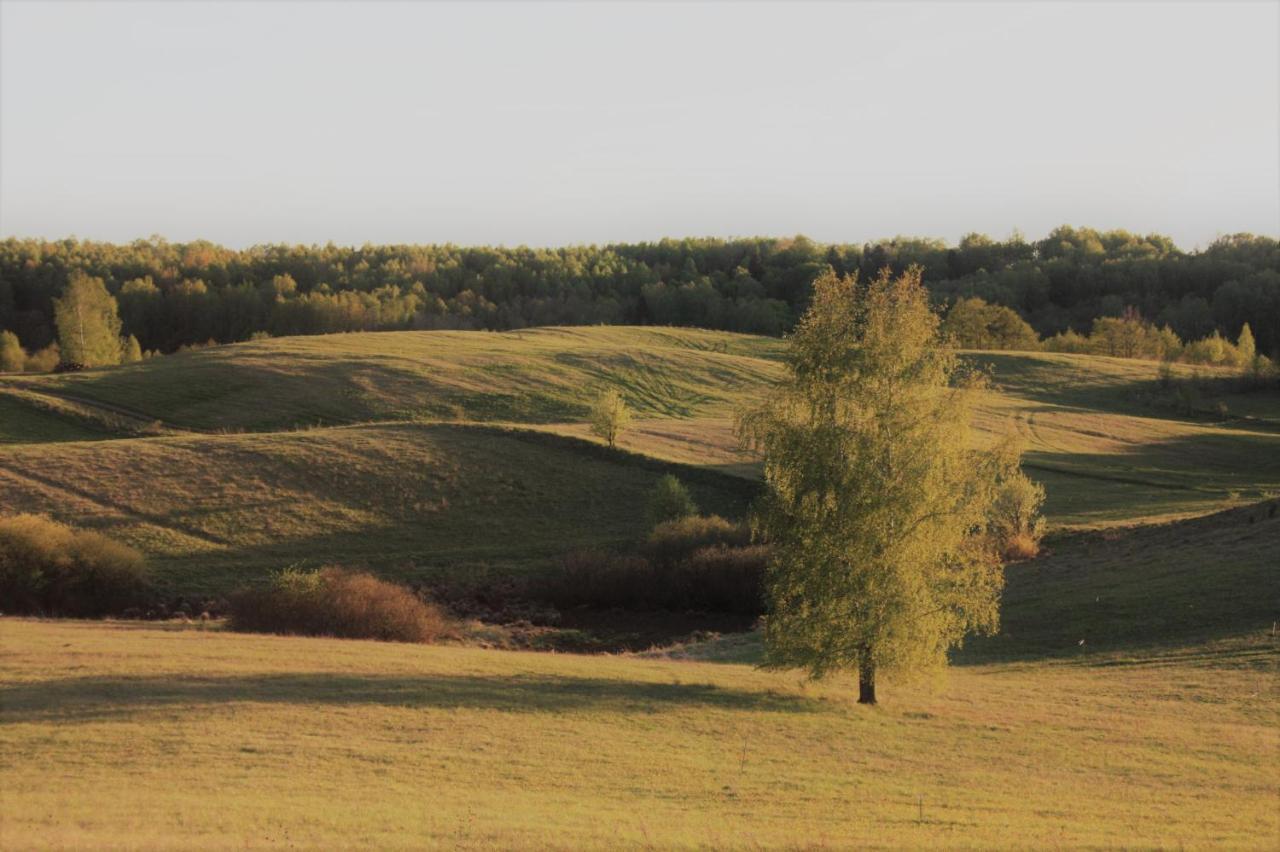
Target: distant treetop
x=176, y=294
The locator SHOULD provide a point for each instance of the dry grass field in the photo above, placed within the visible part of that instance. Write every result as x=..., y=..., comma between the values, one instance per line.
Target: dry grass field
x=119, y=734
x=544, y=375
x=1130, y=699
x=1106, y=457
x=213, y=511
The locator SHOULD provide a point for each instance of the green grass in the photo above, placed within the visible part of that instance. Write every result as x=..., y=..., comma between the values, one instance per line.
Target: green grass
x=213, y=509
x=1131, y=592
x=24, y=423
x=408, y=499
x=535, y=376
x=1160, y=730
x=128, y=735
x=1161, y=585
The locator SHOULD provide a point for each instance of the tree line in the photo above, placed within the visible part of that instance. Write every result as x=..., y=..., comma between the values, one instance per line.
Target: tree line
x=172, y=295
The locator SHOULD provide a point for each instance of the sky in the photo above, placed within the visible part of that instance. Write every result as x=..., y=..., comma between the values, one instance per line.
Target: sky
x=554, y=124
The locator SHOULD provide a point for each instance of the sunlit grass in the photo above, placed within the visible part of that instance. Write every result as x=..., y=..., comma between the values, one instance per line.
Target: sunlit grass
x=125, y=735
x=532, y=376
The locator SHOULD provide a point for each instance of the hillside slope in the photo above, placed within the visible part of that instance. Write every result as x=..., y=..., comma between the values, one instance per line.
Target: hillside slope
x=1100, y=432
x=1119, y=591
x=210, y=508
x=1173, y=584
x=212, y=511
x=541, y=375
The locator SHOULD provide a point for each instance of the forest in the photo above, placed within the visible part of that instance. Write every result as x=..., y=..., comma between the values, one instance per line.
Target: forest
x=173, y=294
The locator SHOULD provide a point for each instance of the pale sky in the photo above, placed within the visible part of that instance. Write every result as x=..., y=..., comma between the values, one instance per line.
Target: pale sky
x=552, y=124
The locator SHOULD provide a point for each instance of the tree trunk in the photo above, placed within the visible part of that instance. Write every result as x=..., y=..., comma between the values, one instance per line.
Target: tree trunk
x=867, y=682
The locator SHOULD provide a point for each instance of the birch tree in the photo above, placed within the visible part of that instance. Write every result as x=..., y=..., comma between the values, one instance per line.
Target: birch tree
x=877, y=503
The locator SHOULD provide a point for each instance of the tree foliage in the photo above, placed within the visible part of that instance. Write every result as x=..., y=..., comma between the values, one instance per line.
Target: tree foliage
x=177, y=294
x=669, y=501
x=13, y=358
x=974, y=324
x=610, y=416
x=88, y=324
x=130, y=351
x=877, y=507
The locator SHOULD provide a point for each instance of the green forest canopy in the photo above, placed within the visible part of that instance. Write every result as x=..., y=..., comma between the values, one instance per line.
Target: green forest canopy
x=176, y=294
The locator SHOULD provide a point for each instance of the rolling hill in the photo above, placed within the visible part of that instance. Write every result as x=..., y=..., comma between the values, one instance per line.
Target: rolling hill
x=1106, y=453
x=1128, y=699
x=543, y=375
x=213, y=511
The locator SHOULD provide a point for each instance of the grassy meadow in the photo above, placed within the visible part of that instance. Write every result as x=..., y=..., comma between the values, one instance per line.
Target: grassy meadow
x=213, y=511
x=1129, y=699
x=155, y=738
x=543, y=375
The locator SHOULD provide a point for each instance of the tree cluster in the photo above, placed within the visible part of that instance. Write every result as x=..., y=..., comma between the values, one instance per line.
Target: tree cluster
x=176, y=294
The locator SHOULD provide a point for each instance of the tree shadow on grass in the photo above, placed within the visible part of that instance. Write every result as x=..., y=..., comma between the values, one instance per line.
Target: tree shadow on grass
x=84, y=699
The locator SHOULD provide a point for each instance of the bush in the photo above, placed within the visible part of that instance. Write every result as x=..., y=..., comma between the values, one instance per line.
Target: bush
x=678, y=539
x=51, y=569
x=13, y=358
x=727, y=579
x=669, y=501
x=974, y=324
x=45, y=360
x=596, y=578
x=712, y=579
x=1017, y=526
x=695, y=563
x=337, y=602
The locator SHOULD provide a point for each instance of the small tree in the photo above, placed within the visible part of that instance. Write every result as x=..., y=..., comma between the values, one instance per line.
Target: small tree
x=610, y=416
x=13, y=358
x=130, y=350
x=1016, y=523
x=974, y=324
x=1246, y=348
x=88, y=325
x=876, y=506
x=669, y=501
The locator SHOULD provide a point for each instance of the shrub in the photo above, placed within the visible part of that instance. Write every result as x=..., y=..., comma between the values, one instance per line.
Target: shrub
x=974, y=324
x=678, y=539
x=1068, y=341
x=694, y=563
x=597, y=578
x=727, y=579
x=669, y=501
x=711, y=579
x=12, y=356
x=45, y=360
x=130, y=350
x=49, y=568
x=337, y=602
x=1017, y=526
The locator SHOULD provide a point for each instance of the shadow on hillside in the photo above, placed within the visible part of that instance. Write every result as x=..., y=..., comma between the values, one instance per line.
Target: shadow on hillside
x=1154, y=587
x=98, y=698
x=1187, y=473
x=1067, y=385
